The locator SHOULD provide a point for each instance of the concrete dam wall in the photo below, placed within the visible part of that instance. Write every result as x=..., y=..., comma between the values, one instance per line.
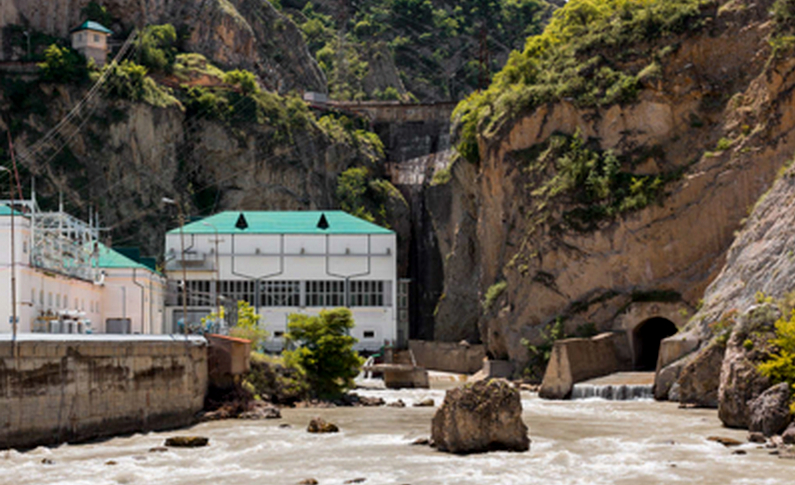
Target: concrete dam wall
x=76, y=388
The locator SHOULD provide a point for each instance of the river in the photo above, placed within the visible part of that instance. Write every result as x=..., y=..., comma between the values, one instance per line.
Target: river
x=573, y=442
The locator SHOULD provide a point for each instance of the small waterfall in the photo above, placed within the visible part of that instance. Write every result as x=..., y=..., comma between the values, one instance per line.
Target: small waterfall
x=613, y=392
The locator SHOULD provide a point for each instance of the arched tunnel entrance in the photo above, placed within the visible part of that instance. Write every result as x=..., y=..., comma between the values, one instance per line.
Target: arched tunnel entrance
x=646, y=338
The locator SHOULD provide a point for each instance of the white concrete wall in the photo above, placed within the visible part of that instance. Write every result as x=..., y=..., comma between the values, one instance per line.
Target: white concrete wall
x=40, y=292
x=136, y=294
x=306, y=258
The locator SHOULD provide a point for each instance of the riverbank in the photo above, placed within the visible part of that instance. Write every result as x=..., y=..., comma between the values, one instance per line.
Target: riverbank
x=588, y=441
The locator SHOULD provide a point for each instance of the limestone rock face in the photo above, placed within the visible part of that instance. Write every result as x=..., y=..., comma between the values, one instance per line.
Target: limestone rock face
x=590, y=276
x=700, y=378
x=740, y=381
x=248, y=34
x=769, y=413
x=484, y=416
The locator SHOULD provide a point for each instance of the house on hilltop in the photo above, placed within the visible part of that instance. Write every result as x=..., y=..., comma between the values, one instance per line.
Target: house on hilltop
x=91, y=39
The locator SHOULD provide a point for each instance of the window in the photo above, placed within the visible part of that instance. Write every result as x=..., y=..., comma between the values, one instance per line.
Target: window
x=79, y=37
x=58, y=301
x=199, y=293
x=236, y=290
x=325, y=293
x=92, y=305
x=33, y=296
x=49, y=299
x=367, y=293
x=278, y=334
x=41, y=297
x=369, y=334
x=281, y=293
x=96, y=38
x=25, y=247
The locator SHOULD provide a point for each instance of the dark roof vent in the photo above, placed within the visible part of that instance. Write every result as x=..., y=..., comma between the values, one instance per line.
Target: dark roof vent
x=241, y=223
x=323, y=222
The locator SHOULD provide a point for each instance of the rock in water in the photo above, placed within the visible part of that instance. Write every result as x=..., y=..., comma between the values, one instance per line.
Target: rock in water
x=769, y=413
x=484, y=416
x=425, y=403
x=319, y=425
x=187, y=441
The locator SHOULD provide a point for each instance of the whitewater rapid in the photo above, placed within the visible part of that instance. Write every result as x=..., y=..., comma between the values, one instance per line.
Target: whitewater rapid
x=590, y=441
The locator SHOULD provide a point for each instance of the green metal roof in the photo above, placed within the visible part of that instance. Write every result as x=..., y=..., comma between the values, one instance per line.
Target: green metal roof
x=110, y=259
x=6, y=211
x=95, y=26
x=283, y=222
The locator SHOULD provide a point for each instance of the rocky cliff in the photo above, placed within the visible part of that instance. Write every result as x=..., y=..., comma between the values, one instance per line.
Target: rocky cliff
x=712, y=120
x=247, y=34
x=126, y=156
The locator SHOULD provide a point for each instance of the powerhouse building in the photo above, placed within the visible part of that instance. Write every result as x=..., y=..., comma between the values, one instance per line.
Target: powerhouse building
x=67, y=281
x=283, y=263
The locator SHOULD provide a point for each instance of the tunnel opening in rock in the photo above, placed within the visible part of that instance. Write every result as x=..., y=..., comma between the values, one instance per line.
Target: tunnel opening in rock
x=646, y=340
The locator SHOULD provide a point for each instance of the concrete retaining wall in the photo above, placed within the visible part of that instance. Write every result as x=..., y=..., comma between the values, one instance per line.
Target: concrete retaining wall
x=578, y=359
x=81, y=388
x=448, y=356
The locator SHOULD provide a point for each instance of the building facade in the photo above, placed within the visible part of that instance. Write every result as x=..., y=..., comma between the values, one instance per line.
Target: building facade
x=68, y=282
x=284, y=263
x=91, y=40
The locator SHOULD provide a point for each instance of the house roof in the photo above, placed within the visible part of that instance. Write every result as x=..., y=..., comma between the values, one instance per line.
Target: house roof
x=91, y=25
x=283, y=222
x=6, y=211
x=111, y=259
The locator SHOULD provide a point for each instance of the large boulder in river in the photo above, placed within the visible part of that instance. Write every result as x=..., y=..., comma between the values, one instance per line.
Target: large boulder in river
x=740, y=382
x=699, y=379
x=480, y=417
x=769, y=413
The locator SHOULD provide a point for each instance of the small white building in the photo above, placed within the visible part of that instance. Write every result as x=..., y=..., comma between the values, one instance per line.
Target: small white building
x=67, y=282
x=91, y=39
x=284, y=263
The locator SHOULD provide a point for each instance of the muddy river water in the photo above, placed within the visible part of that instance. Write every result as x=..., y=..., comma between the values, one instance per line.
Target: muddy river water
x=575, y=442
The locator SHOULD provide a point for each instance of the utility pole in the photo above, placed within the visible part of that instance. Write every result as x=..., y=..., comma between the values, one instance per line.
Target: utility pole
x=217, y=269
x=182, y=262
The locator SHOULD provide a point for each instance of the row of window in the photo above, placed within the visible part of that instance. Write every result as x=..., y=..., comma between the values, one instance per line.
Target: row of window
x=291, y=293
x=78, y=304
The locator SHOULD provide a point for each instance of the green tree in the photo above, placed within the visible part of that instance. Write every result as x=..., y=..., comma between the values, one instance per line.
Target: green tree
x=244, y=80
x=780, y=367
x=157, y=48
x=325, y=350
x=97, y=13
x=247, y=326
x=63, y=65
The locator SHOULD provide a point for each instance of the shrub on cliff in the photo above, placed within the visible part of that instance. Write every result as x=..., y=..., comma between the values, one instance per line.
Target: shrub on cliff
x=780, y=366
x=63, y=65
x=577, y=58
x=157, y=48
x=130, y=81
x=325, y=350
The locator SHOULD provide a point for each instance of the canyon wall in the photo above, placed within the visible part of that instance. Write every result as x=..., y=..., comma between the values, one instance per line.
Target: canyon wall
x=720, y=114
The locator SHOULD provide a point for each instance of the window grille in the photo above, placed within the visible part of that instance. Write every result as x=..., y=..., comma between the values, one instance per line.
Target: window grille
x=325, y=293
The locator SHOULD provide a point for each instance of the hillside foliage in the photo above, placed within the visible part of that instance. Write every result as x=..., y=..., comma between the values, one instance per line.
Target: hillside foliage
x=435, y=44
x=580, y=57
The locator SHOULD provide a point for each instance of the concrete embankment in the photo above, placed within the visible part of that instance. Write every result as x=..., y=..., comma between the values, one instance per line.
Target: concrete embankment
x=56, y=389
